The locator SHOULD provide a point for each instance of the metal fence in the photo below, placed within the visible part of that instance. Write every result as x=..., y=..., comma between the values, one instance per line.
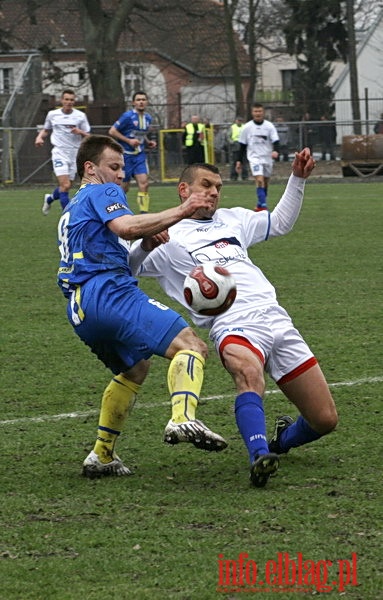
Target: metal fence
x=25, y=164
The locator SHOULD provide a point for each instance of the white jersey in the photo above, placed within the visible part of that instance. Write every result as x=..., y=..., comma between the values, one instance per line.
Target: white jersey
x=259, y=139
x=61, y=125
x=223, y=240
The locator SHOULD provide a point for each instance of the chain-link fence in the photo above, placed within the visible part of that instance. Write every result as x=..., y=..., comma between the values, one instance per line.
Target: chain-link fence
x=23, y=163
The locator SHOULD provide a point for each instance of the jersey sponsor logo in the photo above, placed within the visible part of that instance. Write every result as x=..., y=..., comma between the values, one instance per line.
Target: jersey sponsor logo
x=214, y=225
x=111, y=191
x=113, y=207
x=221, y=252
x=228, y=330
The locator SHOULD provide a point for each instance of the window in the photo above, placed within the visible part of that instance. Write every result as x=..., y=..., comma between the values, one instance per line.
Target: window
x=6, y=81
x=133, y=80
x=288, y=79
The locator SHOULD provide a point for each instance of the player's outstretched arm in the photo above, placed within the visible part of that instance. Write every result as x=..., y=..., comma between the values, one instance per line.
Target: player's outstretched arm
x=303, y=163
x=132, y=227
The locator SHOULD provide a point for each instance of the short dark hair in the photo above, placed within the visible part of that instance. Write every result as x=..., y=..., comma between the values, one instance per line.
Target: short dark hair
x=67, y=91
x=189, y=173
x=91, y=149
x=139, y=94
x=257, y=105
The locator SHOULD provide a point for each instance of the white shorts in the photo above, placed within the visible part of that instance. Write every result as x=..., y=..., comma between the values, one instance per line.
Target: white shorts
x=271, y=334
x=64, y=162
x=261, y=168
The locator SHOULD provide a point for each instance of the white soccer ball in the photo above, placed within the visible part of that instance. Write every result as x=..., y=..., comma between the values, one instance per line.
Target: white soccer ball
x=210, y=289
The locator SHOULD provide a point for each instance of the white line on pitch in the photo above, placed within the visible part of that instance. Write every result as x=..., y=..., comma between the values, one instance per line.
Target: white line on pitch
x=89, y=413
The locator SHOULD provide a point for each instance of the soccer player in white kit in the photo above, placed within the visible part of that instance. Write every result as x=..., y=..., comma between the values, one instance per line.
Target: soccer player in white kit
x=67, y=126
x=259, y=141
x=256, y=334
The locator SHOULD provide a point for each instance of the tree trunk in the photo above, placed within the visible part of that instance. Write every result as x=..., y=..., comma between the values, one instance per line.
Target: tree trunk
x=355, y=106
x=102, y=30
x=229, y=13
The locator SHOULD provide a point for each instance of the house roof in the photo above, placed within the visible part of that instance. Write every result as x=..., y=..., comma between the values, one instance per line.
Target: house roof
x=360, y=48
x=190, y=34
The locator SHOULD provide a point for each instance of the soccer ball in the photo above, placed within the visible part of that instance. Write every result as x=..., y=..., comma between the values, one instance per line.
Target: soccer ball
x=209, y=289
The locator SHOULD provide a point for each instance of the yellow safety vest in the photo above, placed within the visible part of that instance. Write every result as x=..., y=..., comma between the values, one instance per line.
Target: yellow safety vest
x=235, y=131
x=190, y=132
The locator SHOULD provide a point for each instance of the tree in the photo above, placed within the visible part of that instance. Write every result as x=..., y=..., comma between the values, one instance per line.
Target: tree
x=257, y=22
x=315, y=42
x=102, y=29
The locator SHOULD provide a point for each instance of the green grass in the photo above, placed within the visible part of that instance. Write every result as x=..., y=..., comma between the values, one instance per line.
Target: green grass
x=158, y=534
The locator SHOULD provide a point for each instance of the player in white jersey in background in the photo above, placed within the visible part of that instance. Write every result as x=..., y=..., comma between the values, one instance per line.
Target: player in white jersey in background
x=259, y=141
x=67, y=126
x=256, y=334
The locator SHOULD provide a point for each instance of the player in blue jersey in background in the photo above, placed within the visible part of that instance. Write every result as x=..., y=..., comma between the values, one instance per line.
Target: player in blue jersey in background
x=109, y=312
x=132, y=130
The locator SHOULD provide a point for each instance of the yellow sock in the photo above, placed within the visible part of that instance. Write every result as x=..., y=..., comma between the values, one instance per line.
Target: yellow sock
x=117, y=402
x=143, y=201
x=185, y=377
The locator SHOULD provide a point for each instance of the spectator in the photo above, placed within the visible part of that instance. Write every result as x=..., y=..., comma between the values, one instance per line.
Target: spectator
x=220, y=145
x=194, y=140
x=307, y=132
x=327, y=137
x=284, y=138
x=234, y=147
x=378, y=127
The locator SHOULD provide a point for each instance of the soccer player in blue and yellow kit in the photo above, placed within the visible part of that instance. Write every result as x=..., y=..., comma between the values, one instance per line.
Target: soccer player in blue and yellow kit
x=132, y=130
x=117, y=320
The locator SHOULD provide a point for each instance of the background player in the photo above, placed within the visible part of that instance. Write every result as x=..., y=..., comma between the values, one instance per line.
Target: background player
x=131, y=130
x=260, y=142
x=256, y=334
x=107, y=310
x=67, y=126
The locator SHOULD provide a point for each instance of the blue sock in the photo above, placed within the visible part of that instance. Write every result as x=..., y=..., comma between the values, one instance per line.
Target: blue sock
x=251, y=423
x=64, y=199
x=261, y=195
x=56, y=194
x=297, y=434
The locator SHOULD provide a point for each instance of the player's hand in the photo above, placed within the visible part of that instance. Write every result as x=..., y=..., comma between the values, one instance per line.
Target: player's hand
x=152, y=144
x=134, y=142
x=39, y=142
x=196, y=201
x=149, y=243
x=303, y=164
x=238, y=166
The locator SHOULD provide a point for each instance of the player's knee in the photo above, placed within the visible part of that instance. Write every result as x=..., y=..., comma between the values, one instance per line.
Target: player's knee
x=65, y=187
x=326, y=421
x=245, y=368
x=187, y=339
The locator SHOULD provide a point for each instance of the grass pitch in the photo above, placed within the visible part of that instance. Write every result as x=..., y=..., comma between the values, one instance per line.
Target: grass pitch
x=161, y=533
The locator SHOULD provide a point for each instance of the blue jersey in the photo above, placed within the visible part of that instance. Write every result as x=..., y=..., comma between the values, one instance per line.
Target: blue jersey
x=107, y=309
x=133, y=125
x=87, y=246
